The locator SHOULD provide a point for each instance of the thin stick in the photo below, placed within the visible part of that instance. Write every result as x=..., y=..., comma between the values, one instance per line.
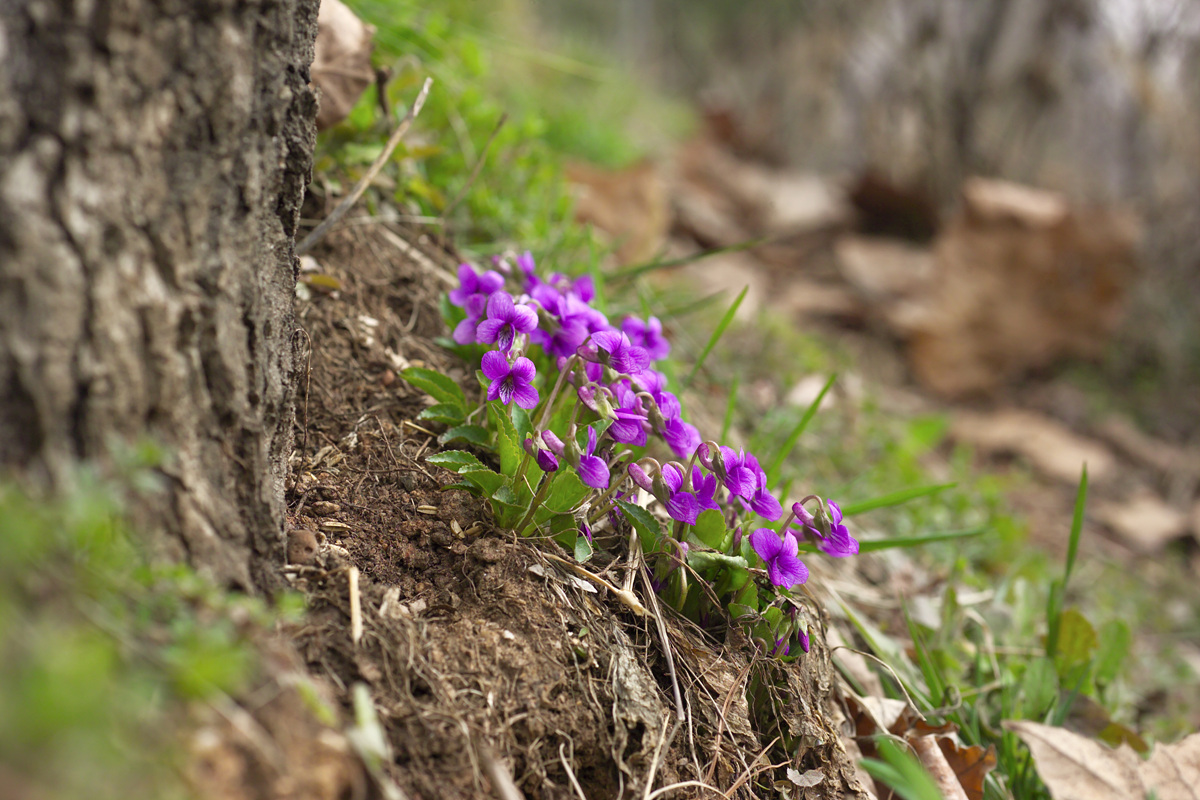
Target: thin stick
x=680, y=715
x=624, y=595
x=570, y=773
x=356, y=621
x=340, y=211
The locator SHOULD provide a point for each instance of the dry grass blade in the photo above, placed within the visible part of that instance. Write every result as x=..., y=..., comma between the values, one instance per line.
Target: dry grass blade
x=316, y=235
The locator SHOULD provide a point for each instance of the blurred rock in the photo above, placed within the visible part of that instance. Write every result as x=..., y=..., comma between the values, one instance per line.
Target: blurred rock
x=1051, y=448
x=341, y=66
x=629, y=205
x=1144, y=521
x=1021, y=281
x=891, y=275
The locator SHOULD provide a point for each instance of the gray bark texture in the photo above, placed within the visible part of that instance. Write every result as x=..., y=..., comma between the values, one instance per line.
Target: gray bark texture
x=153, y=157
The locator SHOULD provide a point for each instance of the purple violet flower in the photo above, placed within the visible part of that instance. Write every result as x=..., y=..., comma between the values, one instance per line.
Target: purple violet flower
x=614, y=349
x=681, y=505
x=592, y=469
x=784, y=567
x=705, y=486
x=466, y=332
x=510, y=382
x=839, y=543
x=505, y=320
x=472, y=283
x=682, y=437
x=647, y=334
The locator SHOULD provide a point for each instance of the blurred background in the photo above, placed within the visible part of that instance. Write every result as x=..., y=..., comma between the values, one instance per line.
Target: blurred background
x=1097, y=101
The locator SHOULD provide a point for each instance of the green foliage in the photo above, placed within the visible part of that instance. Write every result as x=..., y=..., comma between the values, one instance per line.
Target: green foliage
x=100, y=646
x=901, y=771
x=717, y=333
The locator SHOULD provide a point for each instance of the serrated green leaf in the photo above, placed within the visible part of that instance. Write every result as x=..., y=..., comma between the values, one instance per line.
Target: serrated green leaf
x=701, y=560
x=710, y=529
x=453, y=459
x=508, y=446
x=648, y=528
x=472, y=434
x=445, y=413
x=436, y=385
x=566, y=492
x=487, y=480
x=521, y=423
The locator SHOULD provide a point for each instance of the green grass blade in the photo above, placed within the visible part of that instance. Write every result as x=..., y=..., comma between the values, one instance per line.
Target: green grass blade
x=794, y=436
x=684, y=309
x=1058, y=589
x=1076, y=524
x=871, y=546
x=894, y=498
x=902, y=773
x=716, y=335
x=730, y=406
x=651, y=266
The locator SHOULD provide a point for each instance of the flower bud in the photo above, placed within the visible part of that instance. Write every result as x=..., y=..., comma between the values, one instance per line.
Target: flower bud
x=552, y=442
x=704, y=454
x=547, y=461
x=640, y=477
x=652, y=413
x=570, y=451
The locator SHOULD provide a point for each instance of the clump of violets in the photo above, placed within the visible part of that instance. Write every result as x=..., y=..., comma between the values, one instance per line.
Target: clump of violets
x=606, y=373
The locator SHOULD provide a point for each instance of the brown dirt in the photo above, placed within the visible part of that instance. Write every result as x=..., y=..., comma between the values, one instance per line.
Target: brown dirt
x=489, y=664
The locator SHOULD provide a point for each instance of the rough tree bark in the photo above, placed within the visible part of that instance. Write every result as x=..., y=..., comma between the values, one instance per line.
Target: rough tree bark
x=153, y=157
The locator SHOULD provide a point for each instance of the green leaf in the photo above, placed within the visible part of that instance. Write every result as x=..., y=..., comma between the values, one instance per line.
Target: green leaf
x=484, y=478
x=1115, y=639
x=566, y=492
x=521, y=423
x=894, y=498
x=472, y=434
x=508, y=446
x=873, y=545
x=1077, y=641
x=445, y=413
x=648, y=528
x=454, y=460
x=583, y=549
x=797, y=432
x=701, y=560
x=710, y=529
x=436, y=385
x=716, y=335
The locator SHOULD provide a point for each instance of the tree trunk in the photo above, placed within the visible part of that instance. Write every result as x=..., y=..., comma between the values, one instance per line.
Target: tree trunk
x=153, y=156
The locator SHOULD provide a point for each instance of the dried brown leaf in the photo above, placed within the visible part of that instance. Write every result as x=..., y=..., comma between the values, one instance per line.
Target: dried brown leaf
x=341, y=65
x=1077, y=768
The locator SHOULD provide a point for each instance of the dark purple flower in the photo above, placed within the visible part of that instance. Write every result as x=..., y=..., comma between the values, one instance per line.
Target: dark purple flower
x=466, y=331
x=839, y=543
x=682, y=437
x=472, y=283
x=739, y=478
x=803, y=637
x=546, y=460
x=705, y=486
x=784, y=566
x=592, y=469
x=681, y=505
x=614, y=349
x=505, y=320
x=510, y=382
x=628, y=428
x=647, y=334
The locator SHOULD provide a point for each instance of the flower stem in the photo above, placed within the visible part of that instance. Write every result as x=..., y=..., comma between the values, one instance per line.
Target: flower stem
x=535, y=503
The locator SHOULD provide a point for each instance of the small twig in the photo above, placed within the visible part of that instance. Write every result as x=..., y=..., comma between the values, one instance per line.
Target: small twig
x=680, y=715
x=570, y=773
x=502, y=782
x=340, y=211
x=356, y=621
x=628, y=598
x=684, y=785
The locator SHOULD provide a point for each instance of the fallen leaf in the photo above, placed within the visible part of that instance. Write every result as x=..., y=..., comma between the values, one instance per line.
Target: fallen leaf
x=1052, y=448
x=970, y=764
x=1145, y=522
x=341, y=66
x=934, y=760
x=1078, y=768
